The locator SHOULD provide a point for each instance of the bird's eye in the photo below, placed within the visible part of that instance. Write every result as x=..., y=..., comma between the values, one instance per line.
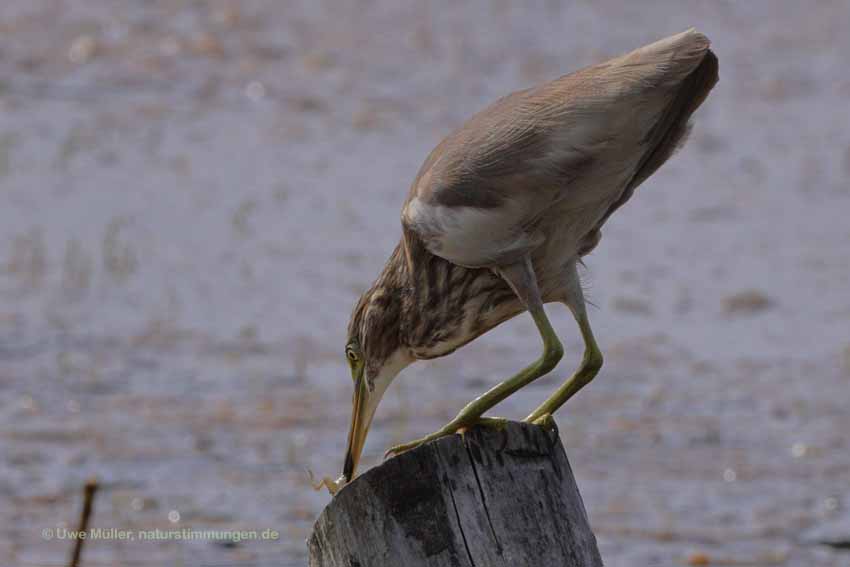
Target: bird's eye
x=351, y=355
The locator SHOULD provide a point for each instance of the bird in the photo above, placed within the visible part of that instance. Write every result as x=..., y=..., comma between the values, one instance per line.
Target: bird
x=500, y=215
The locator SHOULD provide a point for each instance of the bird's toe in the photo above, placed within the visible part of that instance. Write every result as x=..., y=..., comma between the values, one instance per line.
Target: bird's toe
x=546, y=421
x=404, y=447
x=497, y=423
x=456, y=426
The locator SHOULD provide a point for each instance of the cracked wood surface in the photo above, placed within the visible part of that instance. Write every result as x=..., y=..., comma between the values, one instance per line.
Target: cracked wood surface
x=488, y=498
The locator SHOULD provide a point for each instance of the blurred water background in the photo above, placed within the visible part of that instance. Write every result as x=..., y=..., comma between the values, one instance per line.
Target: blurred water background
x=193, y=194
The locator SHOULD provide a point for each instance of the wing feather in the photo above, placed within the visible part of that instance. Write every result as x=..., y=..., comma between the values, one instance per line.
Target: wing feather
x=587, y=137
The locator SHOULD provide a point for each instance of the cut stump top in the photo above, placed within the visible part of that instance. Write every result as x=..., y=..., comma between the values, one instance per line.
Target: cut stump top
x=494, y=498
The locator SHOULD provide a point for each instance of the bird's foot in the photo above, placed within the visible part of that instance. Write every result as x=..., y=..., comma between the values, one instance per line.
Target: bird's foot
x=451, y=428
x=497, y=423
x=546, y=421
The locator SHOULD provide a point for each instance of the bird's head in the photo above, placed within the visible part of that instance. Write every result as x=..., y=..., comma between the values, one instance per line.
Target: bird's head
x=375, y=355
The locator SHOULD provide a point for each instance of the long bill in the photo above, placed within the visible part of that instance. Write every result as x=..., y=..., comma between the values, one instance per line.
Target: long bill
x=360, y=421
x=363, y=407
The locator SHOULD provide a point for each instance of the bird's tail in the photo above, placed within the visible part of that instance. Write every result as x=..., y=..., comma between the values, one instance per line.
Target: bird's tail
x=667, y=61
x=684, y=64
x=672, y=130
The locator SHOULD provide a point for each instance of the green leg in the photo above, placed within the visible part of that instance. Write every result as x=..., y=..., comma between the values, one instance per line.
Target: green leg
x=591, y=361
x=590, y=365
x=471, y=414
x=522, y=280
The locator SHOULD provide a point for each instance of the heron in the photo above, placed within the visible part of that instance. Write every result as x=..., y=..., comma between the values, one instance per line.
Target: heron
x=501, y=214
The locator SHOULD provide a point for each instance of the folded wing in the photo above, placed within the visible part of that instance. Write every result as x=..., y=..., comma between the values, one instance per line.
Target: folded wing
x=585, y=140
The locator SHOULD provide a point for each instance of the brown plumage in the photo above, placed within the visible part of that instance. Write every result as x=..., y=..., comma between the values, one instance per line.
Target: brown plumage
x=504, y=207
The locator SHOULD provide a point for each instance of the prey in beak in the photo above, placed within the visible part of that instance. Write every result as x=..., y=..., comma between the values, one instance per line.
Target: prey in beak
x=375, y=353
x=361, y=418
x=357, y=431
x=370, y=383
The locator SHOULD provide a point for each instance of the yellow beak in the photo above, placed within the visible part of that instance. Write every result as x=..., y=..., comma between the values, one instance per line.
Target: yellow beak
x=360, y=422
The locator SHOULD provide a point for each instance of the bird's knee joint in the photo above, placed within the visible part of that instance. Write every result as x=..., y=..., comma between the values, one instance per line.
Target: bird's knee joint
x=592, y=363
x=552, y=355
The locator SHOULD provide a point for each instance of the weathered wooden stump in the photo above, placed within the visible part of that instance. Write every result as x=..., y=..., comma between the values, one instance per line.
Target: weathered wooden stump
x=488, y=499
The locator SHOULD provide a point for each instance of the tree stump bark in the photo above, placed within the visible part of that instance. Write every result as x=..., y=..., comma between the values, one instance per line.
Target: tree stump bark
x=489, y=498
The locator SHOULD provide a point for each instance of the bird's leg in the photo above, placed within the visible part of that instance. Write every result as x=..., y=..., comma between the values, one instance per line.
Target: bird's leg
x=591, y=361
x=522, y=280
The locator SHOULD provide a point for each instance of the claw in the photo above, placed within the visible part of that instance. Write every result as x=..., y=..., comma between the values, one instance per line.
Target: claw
x=497, y=422
x=547, y=422
x=399, y=449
